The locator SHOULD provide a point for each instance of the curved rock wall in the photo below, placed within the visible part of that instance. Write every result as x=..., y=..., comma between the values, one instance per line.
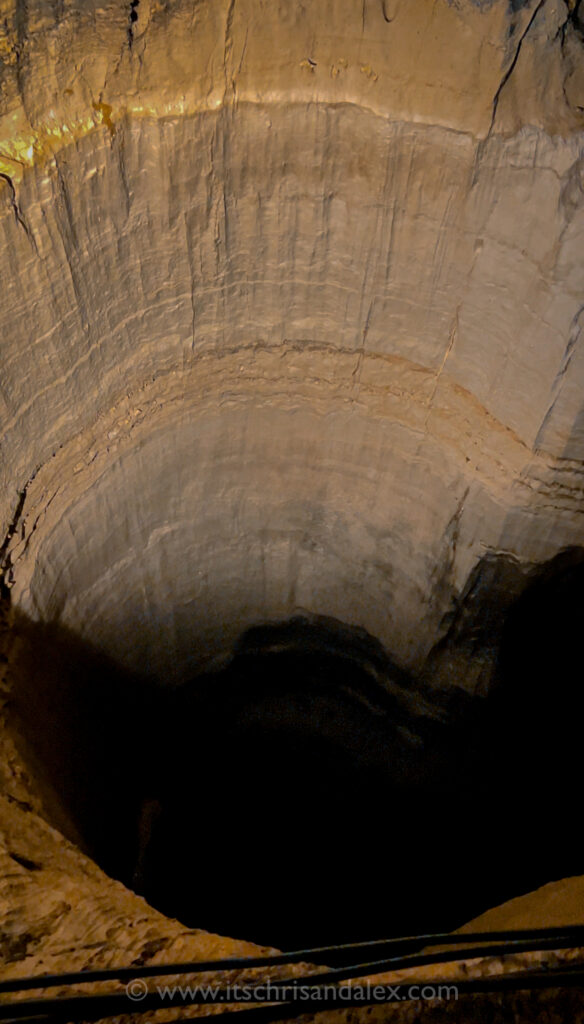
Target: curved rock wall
x=292, y=314
x=292, y=306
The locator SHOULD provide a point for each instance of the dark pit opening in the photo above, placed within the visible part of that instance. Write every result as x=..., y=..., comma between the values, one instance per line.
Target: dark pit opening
x=299, y=793
x=308, y=791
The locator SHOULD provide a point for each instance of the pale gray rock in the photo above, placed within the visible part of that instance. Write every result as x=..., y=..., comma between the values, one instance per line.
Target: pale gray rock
x=274, y=360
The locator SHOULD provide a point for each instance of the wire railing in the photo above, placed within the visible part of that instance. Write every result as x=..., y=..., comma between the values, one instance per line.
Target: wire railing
x=349, y=962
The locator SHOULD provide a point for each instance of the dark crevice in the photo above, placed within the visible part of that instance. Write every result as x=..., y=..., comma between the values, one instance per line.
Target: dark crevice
x=576, y=17
x=16, y=209
x=575, y=20
x=132, y=19
x=5, y=563
x=25, y=862
x=512, y=66
x=23, y=35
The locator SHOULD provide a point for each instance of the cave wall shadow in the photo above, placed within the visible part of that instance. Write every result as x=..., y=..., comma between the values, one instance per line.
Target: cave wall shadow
x=236, y=793
x=85, y=728
x=536, y=712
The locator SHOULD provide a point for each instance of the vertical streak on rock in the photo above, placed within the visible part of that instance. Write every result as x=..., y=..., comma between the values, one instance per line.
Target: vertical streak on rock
x=557, y=385
x=449, y=347
x=511, y=68
x=228, y=50
x=192, y=278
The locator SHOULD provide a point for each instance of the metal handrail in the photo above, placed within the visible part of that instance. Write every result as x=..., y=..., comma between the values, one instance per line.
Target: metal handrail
x=318, y=954
x=93, y=1007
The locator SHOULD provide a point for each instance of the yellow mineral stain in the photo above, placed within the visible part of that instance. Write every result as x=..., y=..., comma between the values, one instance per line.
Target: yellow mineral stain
x=367, y=70
x=105, y=110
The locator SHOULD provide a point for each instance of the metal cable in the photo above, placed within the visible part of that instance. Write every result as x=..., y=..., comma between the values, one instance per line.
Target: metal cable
x=95, y=1007
x=319, y=954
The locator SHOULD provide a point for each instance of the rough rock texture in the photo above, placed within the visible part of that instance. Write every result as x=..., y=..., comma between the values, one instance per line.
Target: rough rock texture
x=292, y=306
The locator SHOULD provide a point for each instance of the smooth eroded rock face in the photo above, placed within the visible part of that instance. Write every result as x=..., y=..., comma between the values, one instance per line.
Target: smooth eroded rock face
x=293, y=358
x=292, y=307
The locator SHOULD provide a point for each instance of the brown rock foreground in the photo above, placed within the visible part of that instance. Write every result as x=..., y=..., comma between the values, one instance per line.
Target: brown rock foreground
x=65, y=914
